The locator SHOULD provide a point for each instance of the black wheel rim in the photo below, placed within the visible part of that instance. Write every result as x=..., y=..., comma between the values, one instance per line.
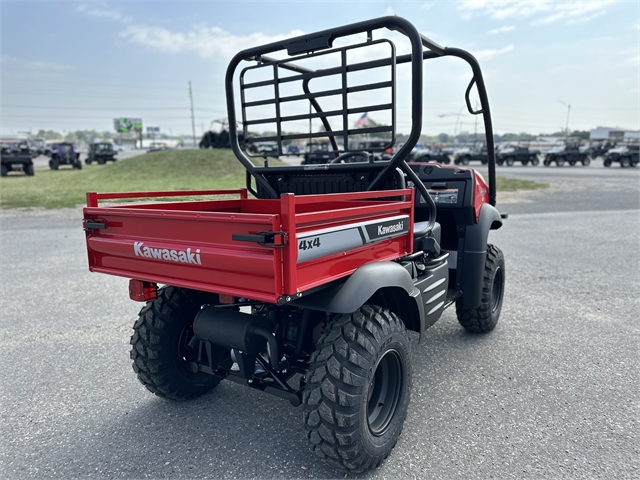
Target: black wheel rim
x=384, y=392
x=496, y=290
x=186, y=355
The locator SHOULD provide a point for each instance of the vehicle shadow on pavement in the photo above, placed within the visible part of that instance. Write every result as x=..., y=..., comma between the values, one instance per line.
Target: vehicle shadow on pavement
x=231, y=432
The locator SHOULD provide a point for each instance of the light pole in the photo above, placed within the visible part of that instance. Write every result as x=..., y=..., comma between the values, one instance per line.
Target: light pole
x=566, y=128
x=457, y=115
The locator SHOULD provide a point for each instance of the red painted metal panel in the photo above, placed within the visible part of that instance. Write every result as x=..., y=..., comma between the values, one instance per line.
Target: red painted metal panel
x=190, y=243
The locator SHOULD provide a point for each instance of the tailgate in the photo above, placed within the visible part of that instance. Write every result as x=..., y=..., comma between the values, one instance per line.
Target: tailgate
x=190, y=247
x=219, y=246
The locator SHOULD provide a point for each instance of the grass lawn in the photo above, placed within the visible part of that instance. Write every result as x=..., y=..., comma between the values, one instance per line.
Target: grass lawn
x=168, y=170
x=156, y=171
x=504, y=184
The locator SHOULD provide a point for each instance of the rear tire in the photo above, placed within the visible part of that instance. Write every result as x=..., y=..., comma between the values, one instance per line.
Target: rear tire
x=160, y=353
x=586, y=162
x=484, y=318
x=54, y=163
x=535, y=161
x=28, y=169
x=465, y=161
x=560, y=161
x=607, y=163
x=358, y=390
x=4, y=170
x=625, y=162
x=510, y=161
x=101, y=161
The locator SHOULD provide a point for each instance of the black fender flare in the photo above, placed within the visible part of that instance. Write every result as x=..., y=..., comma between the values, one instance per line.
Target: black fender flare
x=361, y=285
x=475, y=254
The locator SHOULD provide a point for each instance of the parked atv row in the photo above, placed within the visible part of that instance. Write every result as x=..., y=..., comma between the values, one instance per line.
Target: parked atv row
x=64, y=154
x=101, y=153
x=571, y=154
x=510, y=155
x=16, y=156
x=626, y=156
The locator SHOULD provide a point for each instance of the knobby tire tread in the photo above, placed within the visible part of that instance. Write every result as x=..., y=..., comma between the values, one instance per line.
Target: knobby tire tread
x=153, y=347
x=336, y=382
x=481, y=320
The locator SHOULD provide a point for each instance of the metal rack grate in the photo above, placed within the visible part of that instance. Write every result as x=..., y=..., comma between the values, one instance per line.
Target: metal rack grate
x=253, y=114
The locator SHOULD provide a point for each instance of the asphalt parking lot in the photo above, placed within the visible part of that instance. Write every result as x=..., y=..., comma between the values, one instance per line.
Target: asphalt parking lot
x=553, y=392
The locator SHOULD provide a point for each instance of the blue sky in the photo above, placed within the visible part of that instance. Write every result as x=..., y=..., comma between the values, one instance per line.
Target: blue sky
x=69, y=66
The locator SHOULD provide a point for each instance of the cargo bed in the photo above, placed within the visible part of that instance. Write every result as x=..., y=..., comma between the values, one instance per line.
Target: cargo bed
x=265, y=250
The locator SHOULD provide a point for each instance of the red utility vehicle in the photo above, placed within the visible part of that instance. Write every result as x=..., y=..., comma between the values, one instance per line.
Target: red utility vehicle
x=308, y=290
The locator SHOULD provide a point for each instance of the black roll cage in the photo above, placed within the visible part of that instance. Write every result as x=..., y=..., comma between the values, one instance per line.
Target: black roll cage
x=309, y=44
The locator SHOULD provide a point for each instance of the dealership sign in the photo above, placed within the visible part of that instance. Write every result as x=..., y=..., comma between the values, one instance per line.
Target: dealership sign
x=126, y=125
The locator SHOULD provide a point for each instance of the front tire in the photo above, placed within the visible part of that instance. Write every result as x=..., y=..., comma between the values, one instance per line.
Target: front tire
x=625, y=162
x=586, y=162
x=560, y=161
x=160, y=352
x=28, y=169
x=54, y=163
x=484, y=318
x=358, y=390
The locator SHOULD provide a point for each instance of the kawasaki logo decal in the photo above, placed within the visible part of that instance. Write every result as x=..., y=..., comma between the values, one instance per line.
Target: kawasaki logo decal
x=178, y=256
x=398, y=227
x=388, y=228
x=320, y=243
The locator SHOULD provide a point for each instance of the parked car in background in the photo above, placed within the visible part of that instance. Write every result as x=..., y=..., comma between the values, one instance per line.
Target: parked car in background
x=318, y=152
x=37, y=146
x=157, y=147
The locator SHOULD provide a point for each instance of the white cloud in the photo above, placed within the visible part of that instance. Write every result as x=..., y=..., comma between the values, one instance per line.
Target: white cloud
x=426, y=6
x=489, y=54
x=14, y=62
x=104, y=11
x=208, y=42
x=504, y=29
x=541, y=12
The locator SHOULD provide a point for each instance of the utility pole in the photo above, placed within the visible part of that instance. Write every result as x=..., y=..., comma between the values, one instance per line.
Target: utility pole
x=566, y=127
x=193, y=121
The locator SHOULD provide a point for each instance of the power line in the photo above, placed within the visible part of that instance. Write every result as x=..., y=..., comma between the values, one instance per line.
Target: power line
x=105, y=108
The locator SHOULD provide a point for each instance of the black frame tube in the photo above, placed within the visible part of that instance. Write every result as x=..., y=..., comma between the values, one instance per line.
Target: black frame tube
x=325, y=39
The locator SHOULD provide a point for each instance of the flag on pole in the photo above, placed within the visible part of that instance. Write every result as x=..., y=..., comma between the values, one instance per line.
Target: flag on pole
x=362, y=121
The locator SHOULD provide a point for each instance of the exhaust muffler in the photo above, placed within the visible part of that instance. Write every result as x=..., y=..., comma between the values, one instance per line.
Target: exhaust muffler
x=230, y=329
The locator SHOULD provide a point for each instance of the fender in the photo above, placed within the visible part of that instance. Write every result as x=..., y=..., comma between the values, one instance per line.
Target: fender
x=347, y=297
x=475, y=254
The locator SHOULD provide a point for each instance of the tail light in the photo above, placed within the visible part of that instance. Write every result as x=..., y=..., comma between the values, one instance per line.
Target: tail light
x=141, y=291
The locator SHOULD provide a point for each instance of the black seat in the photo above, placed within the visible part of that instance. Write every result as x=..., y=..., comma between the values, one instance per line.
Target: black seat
x=423, y=238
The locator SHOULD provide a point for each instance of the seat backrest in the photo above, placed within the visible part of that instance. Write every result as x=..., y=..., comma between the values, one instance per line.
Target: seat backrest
x=321, y=179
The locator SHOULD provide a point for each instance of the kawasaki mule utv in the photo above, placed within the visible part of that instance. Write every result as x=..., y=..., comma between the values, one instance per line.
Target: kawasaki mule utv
x=308, y=291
